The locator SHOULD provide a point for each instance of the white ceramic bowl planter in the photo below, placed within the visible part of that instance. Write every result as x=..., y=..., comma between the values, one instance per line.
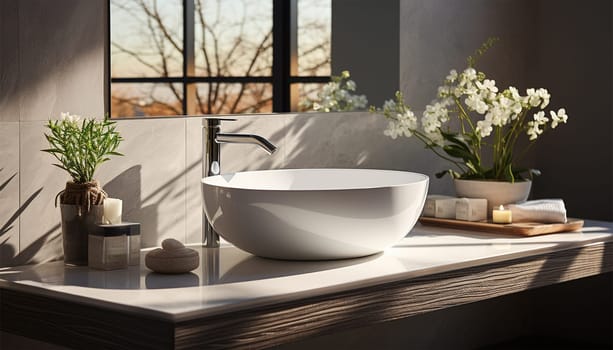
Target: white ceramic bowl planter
x=496, y=192
x=314, y=214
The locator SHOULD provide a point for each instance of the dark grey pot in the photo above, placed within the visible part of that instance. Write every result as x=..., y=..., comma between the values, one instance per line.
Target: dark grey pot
x=76, y=225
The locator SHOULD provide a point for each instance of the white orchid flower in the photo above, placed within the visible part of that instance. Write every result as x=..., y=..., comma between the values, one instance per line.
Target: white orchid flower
x=452, y=77
x=545, y=96
x=559, y=117
x=484, y=128
x=488, y=85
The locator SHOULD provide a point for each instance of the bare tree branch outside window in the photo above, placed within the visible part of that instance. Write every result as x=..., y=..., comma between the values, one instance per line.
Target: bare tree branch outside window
x=233, y=38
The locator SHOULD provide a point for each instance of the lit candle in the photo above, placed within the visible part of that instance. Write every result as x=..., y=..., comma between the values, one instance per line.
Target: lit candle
x=112, y=210
x=502, y=216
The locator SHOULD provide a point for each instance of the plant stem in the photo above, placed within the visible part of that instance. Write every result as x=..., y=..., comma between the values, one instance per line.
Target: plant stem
x=426, y=140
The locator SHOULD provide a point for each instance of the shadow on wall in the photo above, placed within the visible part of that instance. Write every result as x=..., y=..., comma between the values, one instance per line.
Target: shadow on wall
x=45, y=35
x=8, y=225
x=9, y=256
x=128, y=184
x=147, y=209
x=344, y=140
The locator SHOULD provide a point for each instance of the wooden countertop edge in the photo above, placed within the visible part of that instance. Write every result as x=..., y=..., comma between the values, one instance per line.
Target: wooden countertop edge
x=78, y=325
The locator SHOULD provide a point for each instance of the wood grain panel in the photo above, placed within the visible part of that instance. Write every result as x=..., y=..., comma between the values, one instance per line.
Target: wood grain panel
x=292, y=321
x=82, y=326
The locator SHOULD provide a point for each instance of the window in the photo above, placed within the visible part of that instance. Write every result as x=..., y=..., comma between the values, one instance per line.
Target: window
x=172, y=57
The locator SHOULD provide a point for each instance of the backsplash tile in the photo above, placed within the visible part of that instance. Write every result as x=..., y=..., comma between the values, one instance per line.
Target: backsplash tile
x=193, y=173
x=356, y=139
x=330, y=130
x=240, y=157
x=9, y=193
x=150, y=178
x=40, y=233
x=158, y=179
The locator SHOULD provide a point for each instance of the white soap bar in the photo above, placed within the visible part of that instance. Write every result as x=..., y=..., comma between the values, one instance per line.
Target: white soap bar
x=471, y=209
x=430, y=204
x=445, y=208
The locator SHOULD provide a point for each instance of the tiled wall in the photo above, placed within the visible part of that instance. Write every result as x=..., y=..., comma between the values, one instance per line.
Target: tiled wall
x=52, y=60
x=159, y=176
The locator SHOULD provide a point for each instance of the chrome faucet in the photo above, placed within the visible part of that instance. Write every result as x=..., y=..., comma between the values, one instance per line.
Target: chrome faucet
x=211, y=164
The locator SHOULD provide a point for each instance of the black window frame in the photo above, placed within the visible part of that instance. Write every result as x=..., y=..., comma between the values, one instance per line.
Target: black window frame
x=283, y=77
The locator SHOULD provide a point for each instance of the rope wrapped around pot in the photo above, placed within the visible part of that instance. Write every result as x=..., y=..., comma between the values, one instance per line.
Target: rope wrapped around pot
x=82, y=194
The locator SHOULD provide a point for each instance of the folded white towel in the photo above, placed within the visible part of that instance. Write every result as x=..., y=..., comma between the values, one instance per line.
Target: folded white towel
x=542, y=210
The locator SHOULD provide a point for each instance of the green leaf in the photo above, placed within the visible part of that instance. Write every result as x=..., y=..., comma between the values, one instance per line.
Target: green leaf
x=472, y=167
x=81, y=147
x=453, y=138
x=440, y=174
x=451, y=173
x=509, y=173
x=458, y=152
x=531, y=173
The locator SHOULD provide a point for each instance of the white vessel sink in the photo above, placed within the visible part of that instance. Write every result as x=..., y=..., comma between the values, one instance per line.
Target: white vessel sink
x=314, y=214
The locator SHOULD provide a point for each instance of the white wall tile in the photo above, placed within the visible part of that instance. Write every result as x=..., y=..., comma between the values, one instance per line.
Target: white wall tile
x=40, y=233
x=150, y=178
x=356, y=140
x=61, y=58
x=244, y=157
x=193, y=174
x=9, y=193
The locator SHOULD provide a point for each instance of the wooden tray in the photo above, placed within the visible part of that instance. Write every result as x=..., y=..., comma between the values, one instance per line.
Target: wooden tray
x=520, y=228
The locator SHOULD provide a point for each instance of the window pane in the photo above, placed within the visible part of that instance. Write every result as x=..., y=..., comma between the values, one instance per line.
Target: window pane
x=233, y=37
x=314, y=37
x=226, y=98
x=307, y=92
x=145, y=99
x=146, y=38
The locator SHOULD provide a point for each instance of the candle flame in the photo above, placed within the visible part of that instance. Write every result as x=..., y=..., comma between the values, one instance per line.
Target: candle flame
x=501, y=207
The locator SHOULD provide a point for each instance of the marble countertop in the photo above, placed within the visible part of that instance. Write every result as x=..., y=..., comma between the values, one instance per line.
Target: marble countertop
x=229, y=279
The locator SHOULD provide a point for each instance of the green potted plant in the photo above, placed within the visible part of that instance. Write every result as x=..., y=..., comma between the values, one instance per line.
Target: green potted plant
x=487, y=120
x=80, y=146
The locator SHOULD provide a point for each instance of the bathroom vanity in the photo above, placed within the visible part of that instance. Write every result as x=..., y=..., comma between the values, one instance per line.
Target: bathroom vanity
x=238, y=300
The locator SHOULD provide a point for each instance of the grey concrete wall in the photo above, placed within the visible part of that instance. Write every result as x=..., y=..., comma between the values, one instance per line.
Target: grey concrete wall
x=437, y=36
x=574, y=62
x=365, y=41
